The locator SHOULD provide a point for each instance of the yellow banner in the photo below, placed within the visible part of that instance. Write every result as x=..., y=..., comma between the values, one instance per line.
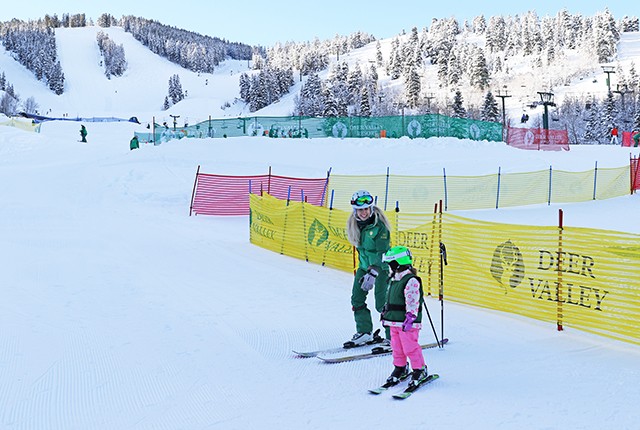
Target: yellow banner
x=576, y=277
x=572, y=277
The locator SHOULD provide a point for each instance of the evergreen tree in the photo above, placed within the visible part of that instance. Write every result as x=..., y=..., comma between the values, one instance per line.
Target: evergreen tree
x=412, y=89
x=636, y=118
x=365, y=103
x=56, y=79
x=458, y=109
x=245, y=87
x=479, y=71
x=330, y=107
x=379, y=58
x=610, y=114
x=605, y=36
x=354, y=84
x=490, y=110
x=593, y=132
x=311, y=97
x=175, y=89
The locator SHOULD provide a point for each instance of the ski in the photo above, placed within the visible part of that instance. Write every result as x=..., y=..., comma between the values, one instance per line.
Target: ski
x=375, y=352
x=384, y=387
x=410, y=390
x=376, y=339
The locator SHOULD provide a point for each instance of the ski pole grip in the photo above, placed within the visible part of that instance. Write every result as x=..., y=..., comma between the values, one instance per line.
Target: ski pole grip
x=443, y=253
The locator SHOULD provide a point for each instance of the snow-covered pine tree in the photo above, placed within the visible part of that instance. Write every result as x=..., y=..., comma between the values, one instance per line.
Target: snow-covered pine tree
x=245, y=87
x=490, y=110
x=495, y=34
x=412, y=89
x=365, y=102
x=55, y=78
x=636, y=119
x=311, y=98
x=610, y=113
x=479, y=77
x=458, y=109
x=354, y=85
x=330, y=107
x=596, y=129
x=175, y=89
x=379, y=58
x=605, y=36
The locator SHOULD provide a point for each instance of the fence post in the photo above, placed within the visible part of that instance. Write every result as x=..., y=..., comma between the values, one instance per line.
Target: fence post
x=286, y=215
x=498, y=191
x=304, y=227
x=550, y=180
x=193, y=193
x=595, y=179
x=324, y=255
x=560, y=317
x=326, y=186
x=444, y=177
x=386, y=190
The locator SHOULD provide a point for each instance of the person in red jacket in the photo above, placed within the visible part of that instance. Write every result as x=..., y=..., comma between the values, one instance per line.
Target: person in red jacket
x=614, y=136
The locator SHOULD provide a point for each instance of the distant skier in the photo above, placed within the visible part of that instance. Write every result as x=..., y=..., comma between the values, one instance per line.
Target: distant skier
x=368, y=230
x=83, y=133
x=614, y=136
x=134, y=144
x=403, y=314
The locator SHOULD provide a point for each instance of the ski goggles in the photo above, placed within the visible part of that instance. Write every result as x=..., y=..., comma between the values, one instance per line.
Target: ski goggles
x=362, y=201
x=403, y=257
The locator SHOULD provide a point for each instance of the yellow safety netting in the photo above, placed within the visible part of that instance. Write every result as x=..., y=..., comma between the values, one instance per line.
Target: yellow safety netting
x=418, y=193
x=572, y=277
x=576, y=277
x=27, y=125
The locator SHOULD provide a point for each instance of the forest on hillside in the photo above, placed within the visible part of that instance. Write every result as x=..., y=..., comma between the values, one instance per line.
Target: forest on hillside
x=470, y=59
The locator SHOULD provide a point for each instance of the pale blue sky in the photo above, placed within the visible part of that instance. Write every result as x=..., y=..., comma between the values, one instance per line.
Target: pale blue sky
x=268, y=21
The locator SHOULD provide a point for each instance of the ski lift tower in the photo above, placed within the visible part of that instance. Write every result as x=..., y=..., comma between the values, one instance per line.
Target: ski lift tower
x=503, y=96
x=547, y=100
x=175, y=120
x=608, y=70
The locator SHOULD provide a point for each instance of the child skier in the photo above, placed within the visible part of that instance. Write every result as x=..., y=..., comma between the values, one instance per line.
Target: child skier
x=83, y=133
x=403, y=314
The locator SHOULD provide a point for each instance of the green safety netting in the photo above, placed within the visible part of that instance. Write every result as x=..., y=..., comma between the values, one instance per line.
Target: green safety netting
x=413, y=126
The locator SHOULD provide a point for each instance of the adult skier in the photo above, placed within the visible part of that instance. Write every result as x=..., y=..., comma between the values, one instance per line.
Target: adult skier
x=368, y=230
x=403, y=315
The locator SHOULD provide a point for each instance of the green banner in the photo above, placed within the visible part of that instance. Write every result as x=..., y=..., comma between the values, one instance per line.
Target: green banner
x=412, y=126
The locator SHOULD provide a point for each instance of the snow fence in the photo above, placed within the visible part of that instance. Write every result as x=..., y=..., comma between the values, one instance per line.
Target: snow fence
x=229, y=195
x=572, y=277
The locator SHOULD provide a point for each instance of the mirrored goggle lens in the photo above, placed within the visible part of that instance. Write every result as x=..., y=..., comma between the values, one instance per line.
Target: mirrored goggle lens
x=362, y=201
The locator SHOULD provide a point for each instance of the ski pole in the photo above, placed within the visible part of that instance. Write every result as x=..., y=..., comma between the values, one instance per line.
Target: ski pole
x=431, y=322
x=443, y=262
